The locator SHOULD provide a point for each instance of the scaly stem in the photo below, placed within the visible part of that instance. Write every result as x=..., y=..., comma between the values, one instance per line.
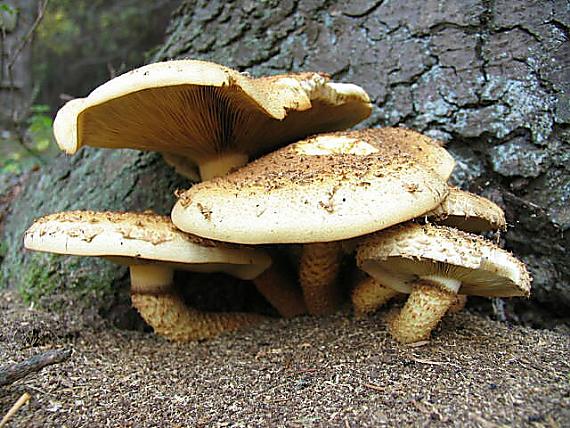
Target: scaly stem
x=282, y=293
x=318, y=272
x=369, y=295
x=427, y=304
x=153, y=295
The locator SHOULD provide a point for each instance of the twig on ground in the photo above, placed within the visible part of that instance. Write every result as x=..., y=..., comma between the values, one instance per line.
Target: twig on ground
x=374, y=387
x=433, y=363
x=21, y=401
x=14, y=372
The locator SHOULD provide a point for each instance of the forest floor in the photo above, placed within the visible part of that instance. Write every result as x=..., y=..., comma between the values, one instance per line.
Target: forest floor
x=305, y=372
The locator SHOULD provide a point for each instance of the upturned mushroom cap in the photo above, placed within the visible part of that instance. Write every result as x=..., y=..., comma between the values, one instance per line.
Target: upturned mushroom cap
x=132, y=238
x=328, y=187
x=469, y=212
x=198, y=110
x=399, y=256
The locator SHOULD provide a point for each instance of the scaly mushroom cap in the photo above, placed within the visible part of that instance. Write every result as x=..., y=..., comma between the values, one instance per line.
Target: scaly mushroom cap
x=326, y=188
x=133, y=238
x=399, y=256
x=469, y=212
x=198, y=110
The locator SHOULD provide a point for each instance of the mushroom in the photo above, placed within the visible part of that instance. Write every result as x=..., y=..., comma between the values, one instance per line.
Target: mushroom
x=204, y=114
x=469, y=212
x=152, y=248
x=318, y=192
x=462, y=210
x=433, y=264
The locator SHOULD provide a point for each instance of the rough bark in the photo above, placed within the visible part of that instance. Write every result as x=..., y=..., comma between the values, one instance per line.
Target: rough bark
x=490, y=77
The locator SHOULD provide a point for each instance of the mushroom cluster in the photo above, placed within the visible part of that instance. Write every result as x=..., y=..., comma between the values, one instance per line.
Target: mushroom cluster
x=381, y=193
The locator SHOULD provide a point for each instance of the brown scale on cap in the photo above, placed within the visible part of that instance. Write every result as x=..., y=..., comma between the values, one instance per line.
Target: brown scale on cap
x=365, y=154
x=145, y=226
x=329, y=187
x=322, y=189
x=469, y=212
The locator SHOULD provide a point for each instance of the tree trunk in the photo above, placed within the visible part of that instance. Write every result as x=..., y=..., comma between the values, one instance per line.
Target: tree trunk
x=16, y=20
x=489, y=77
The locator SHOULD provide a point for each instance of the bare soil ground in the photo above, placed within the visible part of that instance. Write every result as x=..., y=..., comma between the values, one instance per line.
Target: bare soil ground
x=306, y=372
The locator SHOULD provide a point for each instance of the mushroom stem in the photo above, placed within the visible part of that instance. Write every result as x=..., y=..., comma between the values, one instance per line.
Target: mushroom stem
x=151, y=279
x=427, y=304
x=281, y=292
x=182, y=165
x=153, y=295
x=369, y=295
x=221, y=164
x=318, y=272
x=458, y=304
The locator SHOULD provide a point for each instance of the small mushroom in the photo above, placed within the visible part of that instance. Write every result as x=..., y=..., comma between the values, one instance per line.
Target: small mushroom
x=204, y=114
x=433, y=264
x=469, y=212
x=462, y=210
x=369, y=294
x=152, y=248
x=318, y=192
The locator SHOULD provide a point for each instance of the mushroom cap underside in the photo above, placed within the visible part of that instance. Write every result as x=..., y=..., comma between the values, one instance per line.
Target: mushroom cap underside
x=400, y=256
x=142, y=238
x=197, y=110
x=468, y=212
x=329, y=187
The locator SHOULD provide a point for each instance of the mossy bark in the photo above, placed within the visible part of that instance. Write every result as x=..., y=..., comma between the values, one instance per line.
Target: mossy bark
x=92, y=179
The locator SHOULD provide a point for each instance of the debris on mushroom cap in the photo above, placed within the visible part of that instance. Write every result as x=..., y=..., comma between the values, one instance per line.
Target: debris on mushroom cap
x=198, y=109
x=468, y=212
x=410, y=251
x=144, y=236
x=328, y=187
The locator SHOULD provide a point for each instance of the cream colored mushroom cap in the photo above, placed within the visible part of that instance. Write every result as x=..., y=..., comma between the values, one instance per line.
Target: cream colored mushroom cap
x=468, y=212
x=197, y=109
x=133, y=238
x=401, y=255
x=326, y=188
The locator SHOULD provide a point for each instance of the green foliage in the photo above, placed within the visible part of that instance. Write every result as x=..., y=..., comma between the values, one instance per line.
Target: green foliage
x=38, y=144
x=7, y=8
x=40, y=127
x=8, y=17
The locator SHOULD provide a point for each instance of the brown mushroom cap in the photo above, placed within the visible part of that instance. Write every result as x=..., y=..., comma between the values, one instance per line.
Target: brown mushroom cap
x=469, y=212
x=138, y=238
x=199, y=110
x=400, y=256
x=328, y=187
